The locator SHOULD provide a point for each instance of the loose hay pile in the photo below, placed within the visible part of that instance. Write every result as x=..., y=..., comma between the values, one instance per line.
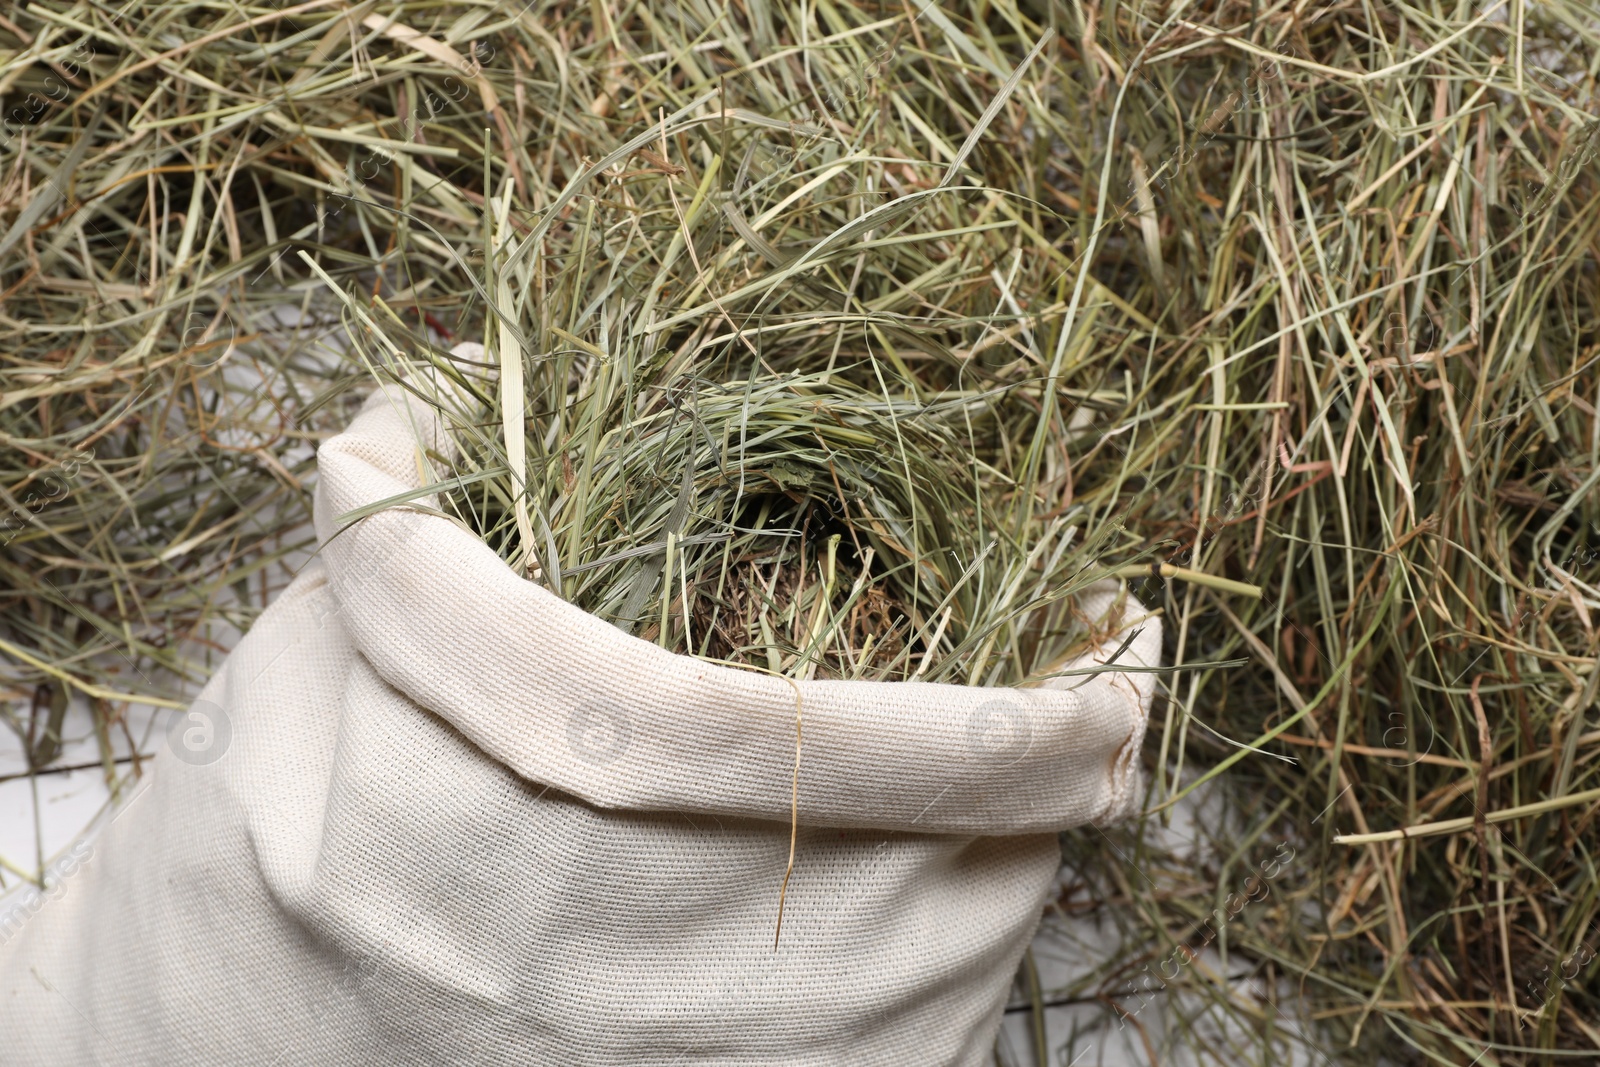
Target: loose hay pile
x=1303, y=296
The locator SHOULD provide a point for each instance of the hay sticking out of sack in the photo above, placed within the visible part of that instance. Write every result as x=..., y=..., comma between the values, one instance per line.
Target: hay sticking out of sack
x=818, y=484
x=803, y=522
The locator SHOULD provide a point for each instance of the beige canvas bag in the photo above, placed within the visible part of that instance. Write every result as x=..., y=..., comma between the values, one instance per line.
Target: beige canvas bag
x=427, y=812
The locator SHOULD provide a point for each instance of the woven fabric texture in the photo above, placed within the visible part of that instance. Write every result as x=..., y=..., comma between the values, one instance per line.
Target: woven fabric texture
x=427, y=812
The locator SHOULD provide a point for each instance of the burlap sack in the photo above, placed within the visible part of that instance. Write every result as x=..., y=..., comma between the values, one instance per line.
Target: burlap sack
x=427, y=812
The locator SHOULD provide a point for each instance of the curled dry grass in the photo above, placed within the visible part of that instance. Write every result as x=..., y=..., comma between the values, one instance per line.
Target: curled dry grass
x=1303, y=296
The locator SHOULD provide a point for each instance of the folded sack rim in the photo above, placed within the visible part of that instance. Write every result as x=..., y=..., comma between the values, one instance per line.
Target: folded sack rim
x=911, y=756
